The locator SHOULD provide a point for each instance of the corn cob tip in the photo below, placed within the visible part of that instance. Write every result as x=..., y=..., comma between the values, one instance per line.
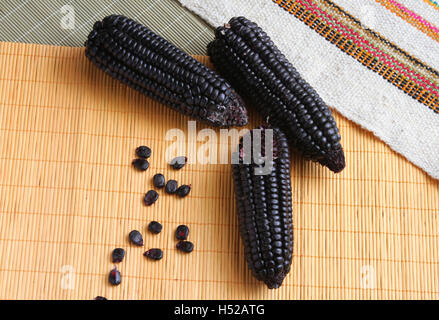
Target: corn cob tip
x=335, y=161
x=233, y=114
x=237, y=113
x=275, y=282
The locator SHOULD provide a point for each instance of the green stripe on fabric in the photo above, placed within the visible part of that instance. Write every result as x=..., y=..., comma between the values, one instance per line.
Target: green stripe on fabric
x=46, y=22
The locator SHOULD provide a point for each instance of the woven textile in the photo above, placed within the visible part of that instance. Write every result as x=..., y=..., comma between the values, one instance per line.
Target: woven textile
x=36, y=21
x=376, y=62
x=69, y=196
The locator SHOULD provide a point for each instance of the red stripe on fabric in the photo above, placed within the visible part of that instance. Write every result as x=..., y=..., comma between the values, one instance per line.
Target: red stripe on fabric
x=409, y=17
x=359, y=40
x=426, y=23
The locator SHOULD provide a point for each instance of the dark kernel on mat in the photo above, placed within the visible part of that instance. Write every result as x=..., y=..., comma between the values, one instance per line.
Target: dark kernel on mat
x=139, y=58
x=154, y=254
x=183, y=190
x=150, y=197
x=171, y=186
x=100, y=298
x=141, y=164
x=264, y=210
x=114, y=277
x=136, y=238
x=260, y=72
x=143, y=152
x=182, y=232
x=178, y=162
x=117, y=255
x=155, y=227
x=185, y=246
x=159, y=180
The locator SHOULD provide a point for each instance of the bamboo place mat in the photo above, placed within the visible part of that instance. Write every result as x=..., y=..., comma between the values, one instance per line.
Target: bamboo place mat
x=69, y=196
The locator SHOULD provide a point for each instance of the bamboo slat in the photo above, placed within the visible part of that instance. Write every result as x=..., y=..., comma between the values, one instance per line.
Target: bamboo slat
x=68, y=196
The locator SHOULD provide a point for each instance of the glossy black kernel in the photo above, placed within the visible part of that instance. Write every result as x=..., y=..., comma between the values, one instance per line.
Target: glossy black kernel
x=178, y=162
x=117, y=255
x=143, y=152
x=155, y=227
x=265, y=212
x=150, y=197
x=154, y=254
x=141, y=164
x=136, y=238
x=171, y=186
x=185, y=246
x=182, y=232
x=258, y=70
x=159, y=180
x=114, y=277
x=100, y=298
x=183, y=190
x=144, y=61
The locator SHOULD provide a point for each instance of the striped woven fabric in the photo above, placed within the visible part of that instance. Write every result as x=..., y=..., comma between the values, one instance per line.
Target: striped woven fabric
x=433, y=3
x=368, y=47
x=377, y=62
